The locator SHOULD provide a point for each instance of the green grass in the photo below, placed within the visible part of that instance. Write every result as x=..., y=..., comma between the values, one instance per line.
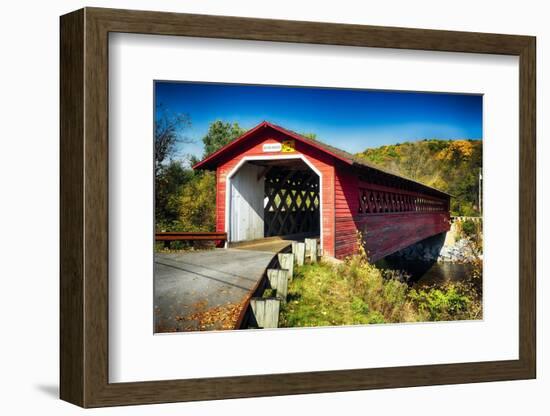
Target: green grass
x=357, y=293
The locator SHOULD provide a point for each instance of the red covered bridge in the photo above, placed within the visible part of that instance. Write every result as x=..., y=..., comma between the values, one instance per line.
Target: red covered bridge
x=274, y=182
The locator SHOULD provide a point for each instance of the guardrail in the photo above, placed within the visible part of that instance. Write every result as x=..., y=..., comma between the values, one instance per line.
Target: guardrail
x=169, y=236
x=181, y=236
x=462, y=218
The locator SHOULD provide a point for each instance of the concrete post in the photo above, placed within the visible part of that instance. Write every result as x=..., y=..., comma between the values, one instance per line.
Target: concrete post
x=294, y=245
x=265, y=311
x=299, y=253
x=286, y=261
x=278, y=280
x=311, y=249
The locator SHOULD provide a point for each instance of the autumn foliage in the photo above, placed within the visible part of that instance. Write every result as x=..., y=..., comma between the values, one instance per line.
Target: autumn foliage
x=454, y=166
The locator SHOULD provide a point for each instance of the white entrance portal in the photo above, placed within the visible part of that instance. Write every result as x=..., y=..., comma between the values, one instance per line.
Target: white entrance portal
x=247, y=204
x=273, y=196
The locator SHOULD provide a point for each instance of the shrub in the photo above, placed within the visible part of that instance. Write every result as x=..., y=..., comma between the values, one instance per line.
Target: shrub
x=376, y=318
x=356, y=292
x=451, y=302
x=469, y=228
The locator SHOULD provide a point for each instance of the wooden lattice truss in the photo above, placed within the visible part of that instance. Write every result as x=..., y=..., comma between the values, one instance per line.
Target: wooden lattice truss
x=292, y=202
x=380, y=201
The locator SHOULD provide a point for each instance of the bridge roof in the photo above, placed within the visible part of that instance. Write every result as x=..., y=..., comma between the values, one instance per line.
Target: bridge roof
x=212, y=161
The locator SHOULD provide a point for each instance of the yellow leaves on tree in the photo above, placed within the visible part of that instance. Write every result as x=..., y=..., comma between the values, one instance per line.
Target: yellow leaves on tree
x=457, y=150
x=198, y=202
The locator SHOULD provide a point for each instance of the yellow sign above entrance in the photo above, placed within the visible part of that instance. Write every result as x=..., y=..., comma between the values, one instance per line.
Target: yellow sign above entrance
x=289, y=146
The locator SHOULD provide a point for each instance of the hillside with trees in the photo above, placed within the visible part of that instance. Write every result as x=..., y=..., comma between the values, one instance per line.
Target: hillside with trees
x=453, y=166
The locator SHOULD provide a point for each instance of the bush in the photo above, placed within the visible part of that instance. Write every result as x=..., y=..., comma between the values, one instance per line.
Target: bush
x=356, y=292
x=469, y=228
x=442, y=304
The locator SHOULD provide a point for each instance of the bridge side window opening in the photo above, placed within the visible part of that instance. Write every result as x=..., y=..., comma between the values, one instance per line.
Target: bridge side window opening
x=372, y=201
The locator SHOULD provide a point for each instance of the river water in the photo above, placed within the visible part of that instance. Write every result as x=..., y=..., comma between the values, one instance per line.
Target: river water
x=425, y=274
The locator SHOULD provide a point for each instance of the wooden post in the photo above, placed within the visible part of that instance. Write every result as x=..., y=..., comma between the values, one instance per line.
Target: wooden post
x=286, y=261
x=299, y=253
x=265, y=311
x=311, y=249
x=278, y=280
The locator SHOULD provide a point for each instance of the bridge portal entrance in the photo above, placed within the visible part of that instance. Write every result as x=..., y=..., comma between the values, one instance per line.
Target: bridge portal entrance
x=273, y=197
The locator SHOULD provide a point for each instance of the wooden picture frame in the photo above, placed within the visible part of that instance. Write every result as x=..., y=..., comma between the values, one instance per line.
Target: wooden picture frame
x=84, y=207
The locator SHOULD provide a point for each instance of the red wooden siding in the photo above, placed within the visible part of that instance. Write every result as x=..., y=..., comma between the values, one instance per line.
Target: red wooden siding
x=346, y=206
x=253, y=147
x=389, y=219
x=388, y=233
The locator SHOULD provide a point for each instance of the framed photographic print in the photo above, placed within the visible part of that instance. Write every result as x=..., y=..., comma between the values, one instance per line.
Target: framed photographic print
x=255, y=207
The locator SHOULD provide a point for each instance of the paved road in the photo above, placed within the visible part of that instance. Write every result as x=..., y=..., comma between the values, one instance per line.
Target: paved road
x=204, y=289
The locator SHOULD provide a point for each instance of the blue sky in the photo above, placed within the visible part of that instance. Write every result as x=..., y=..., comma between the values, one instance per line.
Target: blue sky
x=350, y=119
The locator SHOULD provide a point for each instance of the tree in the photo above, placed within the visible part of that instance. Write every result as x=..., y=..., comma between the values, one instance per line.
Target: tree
x=170, y=175
x=168, y=183
x=169, y=129
x=417, y=162
x=219, y=134
x=197, y=203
